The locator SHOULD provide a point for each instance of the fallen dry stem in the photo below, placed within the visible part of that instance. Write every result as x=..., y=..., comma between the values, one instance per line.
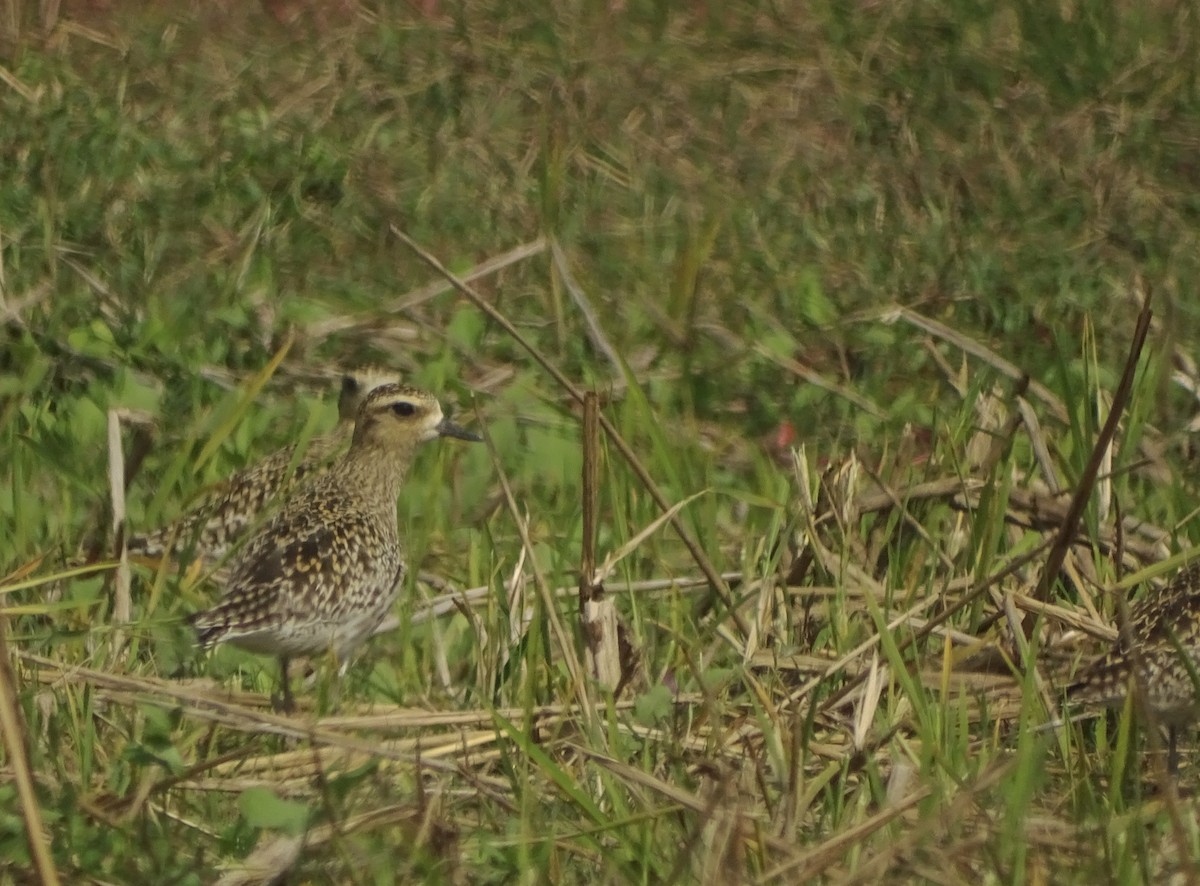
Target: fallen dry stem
x=340, y=325
x=975, y=349
x=919, y=635
x=590, y=321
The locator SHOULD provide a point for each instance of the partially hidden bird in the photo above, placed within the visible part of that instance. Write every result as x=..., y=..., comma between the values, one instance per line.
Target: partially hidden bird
x=1159, y=658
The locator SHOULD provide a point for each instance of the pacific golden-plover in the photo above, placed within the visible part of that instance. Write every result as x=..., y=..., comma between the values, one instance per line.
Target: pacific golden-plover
x=325, y=570
x=1163, y=663
x=208, y=530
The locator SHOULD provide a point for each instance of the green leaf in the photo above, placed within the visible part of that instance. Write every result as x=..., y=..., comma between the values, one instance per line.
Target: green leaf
x=715, y=678
x=158, y=723
x=263, y=808
x=814, y=304
x=171, y=759
x=653, y=706
x=466, y=328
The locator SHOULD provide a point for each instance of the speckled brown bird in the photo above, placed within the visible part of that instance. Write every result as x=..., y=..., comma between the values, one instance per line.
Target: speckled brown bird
x=208, y=530
x=325, y=570
x=1164, y=627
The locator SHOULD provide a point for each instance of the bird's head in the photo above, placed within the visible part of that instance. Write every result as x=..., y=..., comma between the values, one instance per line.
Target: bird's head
x=356, y=384
x=395, y=416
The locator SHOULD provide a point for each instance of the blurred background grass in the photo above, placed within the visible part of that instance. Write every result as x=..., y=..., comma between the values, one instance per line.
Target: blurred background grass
x=744, y=192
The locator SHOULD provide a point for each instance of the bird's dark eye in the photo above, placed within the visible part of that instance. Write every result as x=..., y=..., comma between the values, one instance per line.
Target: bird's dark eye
x=349, y=384
x=403, y=408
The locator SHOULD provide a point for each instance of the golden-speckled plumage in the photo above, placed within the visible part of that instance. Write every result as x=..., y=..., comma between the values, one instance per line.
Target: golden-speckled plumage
x=325, y=570
x=1164, y=627
x=208, y=530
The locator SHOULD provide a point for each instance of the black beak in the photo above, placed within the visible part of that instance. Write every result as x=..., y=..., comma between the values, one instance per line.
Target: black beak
x=447, y=428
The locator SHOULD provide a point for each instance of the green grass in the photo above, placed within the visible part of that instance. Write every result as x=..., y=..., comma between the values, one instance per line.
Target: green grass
x=744, y=194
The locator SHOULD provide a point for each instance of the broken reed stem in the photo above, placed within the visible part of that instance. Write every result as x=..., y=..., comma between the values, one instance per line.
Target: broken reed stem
x=718, y=585
x=122, y=603
x=600, y=627
x=591, y=457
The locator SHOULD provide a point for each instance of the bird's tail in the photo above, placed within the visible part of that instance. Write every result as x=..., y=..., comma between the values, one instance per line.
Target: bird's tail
x=152, y=545
x=209, y=630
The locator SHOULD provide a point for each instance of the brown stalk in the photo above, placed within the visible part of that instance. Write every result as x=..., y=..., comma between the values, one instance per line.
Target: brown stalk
x=603, y=633
x=122, y=605
x=1083, y=491
x=587, y=555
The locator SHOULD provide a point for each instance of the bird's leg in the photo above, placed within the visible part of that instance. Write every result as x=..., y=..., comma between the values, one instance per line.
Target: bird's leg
x=1172, y=752
x=284, y=701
